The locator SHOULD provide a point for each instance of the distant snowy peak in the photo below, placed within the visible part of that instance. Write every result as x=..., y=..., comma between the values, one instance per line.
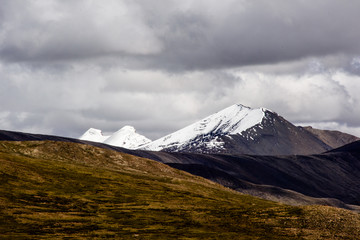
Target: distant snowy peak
x=94, y=135
x=204, y=133
x=126, y=137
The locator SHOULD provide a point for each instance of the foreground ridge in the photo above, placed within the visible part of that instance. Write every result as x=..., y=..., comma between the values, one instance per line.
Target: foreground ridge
x=61, y=190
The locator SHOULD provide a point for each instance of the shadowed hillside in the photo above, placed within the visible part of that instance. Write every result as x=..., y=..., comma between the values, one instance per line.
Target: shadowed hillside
x=331, y=178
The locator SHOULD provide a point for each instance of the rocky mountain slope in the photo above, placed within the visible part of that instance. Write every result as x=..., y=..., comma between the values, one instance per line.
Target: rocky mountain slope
x=334, y=139
x=242, y=130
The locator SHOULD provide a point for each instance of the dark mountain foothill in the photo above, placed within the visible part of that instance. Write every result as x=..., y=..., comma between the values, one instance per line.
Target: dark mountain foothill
x=330, y=178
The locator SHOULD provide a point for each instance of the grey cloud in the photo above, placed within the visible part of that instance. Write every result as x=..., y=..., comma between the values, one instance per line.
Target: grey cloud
x=70, y=107
x=65, y=30
x=67, y=65
x=258, y=32
x=176, y=35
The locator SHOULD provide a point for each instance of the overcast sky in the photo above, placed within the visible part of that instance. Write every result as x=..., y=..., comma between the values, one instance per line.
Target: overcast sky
x=158, y=65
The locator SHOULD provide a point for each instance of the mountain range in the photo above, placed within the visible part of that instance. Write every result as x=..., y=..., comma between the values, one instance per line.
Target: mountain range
x=234, y=130
x=330, y=178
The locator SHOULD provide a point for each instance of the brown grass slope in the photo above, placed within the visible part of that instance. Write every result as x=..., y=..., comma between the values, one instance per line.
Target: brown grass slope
x=57, y=190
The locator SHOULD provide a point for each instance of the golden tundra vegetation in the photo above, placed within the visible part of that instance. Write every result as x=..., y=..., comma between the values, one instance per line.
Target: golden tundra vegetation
x=58, y=190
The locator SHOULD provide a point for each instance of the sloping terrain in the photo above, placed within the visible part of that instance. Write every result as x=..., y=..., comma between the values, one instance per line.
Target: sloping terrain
x=334, y=176
x=274, y=136
x=58, y=190
x=351, y=148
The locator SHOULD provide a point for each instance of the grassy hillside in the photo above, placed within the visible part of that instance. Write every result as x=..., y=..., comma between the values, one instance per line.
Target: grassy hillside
x=55, y=190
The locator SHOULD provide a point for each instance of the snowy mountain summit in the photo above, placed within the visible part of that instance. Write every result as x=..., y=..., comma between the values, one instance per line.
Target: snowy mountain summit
x=207, y=134
x=93, y=135
x=126, y=137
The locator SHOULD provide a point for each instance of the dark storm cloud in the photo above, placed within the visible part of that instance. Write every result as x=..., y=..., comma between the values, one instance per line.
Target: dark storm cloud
x=70, y=30
x=258, y=32
x=175, y=35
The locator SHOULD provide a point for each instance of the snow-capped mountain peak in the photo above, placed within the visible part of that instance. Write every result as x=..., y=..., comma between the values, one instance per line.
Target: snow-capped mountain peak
x=94, y=135
x=204, y=133
x=127, y=128
x=126, y=137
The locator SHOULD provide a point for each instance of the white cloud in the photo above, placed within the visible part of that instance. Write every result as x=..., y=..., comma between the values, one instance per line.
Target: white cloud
x=300, y=98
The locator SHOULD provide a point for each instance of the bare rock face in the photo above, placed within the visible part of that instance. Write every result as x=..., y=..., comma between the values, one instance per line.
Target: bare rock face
x=334, y=139
x=274, y=136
